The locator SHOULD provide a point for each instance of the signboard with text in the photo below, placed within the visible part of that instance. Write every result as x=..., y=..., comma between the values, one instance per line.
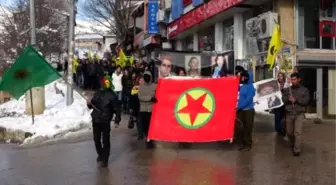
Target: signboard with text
x=199, y=14
x=153, y=8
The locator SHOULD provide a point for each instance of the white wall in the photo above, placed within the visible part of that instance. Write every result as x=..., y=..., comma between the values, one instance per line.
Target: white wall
x=108, y=42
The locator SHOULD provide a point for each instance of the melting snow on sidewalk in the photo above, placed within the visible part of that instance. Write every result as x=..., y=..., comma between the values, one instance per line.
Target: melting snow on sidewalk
x=57, y=119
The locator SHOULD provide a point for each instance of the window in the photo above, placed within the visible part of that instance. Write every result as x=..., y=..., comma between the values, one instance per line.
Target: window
x=188, y=43
x=228, y=35
x=316, y=24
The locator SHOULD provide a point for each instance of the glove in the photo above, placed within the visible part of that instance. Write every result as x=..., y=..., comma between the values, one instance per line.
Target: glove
x=154, y=100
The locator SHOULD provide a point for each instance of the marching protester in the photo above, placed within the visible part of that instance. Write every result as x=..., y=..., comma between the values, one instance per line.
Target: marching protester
x=245, y=112
x=134, y=104
x=146, y=96
x=126, y=90
x=117, y=83
x=279, y=113
x=104, y=104
x=296, y=99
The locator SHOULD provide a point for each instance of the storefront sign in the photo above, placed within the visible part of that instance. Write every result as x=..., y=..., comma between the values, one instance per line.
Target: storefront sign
x=200, y=14
x=153, y=8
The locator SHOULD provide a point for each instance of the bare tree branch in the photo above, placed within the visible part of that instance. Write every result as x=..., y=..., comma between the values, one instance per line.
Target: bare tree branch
x=115, y=15
x=51, y=27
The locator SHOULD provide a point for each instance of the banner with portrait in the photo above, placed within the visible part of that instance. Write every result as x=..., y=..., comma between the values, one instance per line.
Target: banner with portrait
x=174, y=63
x=208, y=64
x=268, y=95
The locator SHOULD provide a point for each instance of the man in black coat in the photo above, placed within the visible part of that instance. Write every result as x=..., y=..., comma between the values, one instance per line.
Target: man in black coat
x=104, y=104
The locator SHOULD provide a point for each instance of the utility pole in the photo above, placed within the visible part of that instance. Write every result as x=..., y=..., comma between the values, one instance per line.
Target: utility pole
x=71, y=47
x=35, y=98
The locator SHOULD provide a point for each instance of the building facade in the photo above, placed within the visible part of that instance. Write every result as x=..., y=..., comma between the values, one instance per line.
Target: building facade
x=316, y=55
x=245, y=27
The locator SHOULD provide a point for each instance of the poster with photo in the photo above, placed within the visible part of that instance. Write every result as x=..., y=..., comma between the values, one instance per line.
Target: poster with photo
x=192, y=65
x=266, y=87
x=182, y=63
x=268, y=95
x=221, y=63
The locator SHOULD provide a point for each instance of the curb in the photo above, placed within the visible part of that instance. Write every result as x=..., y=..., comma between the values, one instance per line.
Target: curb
x=13, y=136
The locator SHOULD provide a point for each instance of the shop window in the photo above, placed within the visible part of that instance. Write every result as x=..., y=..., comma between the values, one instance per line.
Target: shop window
x=206, y=40
x=228, y=35
x=316, y=24
x=188, y=43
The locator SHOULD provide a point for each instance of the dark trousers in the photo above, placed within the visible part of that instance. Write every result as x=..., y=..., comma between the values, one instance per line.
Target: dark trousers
x=125, y=99
x=86, y=81
x=91, y=81
x=279, y=120
x=144, y=118
x=74, y=78
x=244, y=127
x=101, y=137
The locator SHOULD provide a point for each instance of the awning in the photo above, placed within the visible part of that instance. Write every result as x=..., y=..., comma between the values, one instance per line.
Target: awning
x=316, y=58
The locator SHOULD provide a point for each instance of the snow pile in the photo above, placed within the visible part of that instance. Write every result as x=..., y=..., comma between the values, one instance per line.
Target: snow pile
x=57, y=119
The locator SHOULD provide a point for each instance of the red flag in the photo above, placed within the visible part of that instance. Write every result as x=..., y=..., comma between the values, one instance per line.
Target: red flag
x=194, y=110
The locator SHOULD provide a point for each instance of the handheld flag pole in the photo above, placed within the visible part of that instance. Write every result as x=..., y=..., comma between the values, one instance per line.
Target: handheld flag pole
x=32, y=106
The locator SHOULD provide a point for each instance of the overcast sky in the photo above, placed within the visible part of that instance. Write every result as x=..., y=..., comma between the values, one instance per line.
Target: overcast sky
x=80, y=15
x=5, y=2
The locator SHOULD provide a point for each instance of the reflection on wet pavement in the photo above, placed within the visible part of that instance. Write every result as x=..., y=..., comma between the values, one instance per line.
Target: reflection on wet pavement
x=270, y=162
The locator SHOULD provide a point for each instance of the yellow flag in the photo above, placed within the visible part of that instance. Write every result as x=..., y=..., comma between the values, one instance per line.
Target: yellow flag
x=75, y=64
x=131, y=60
x=90, y=57
x=122, y=58
x=274, y=47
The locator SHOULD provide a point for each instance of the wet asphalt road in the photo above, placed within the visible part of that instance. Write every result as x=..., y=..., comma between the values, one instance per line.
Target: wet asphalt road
x=270, y=162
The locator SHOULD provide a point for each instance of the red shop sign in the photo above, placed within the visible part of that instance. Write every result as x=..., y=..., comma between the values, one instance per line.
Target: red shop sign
x=186, y=2
x=327, y=29
x=200, y=14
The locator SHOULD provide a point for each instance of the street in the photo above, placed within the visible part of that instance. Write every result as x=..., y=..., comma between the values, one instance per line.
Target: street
x=270, y=162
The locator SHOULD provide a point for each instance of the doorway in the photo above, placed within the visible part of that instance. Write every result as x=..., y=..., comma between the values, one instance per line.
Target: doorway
x=308, y=79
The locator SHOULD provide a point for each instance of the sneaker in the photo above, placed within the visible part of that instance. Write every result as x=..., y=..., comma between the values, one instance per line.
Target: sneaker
x=116, y=125
x=98, y=159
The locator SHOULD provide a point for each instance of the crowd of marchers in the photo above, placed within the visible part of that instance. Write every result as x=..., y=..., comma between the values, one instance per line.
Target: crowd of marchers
x=131, y=90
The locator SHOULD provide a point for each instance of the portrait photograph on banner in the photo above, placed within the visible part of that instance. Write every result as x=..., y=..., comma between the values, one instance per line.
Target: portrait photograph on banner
x=192, y=65
x=221, y=63
x=267, y=88
x=268, y=95
x=182, y=63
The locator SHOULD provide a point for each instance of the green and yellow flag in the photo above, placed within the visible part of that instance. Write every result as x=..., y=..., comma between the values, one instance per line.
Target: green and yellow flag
x=90, y=58
x=122, y=58
x=29, y=70
x=274, y=47
x=131, y=60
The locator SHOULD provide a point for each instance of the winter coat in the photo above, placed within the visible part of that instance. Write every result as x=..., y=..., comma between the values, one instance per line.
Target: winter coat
x=127, y=85
x=301, y=95
x=146, y=93
x=104, y=104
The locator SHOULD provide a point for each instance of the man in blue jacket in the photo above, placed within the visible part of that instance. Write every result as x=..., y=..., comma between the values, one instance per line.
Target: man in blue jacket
x=245, y=111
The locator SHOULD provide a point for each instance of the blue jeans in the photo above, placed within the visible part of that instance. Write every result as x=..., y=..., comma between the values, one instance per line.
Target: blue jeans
x=119, y=95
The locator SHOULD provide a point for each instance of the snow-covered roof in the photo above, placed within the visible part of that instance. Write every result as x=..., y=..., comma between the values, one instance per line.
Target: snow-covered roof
x=84, y=26
x=88, y=36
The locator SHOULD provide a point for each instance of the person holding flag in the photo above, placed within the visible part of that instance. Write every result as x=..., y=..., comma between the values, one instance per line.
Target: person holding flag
x=104, y=104
x=245, y=111
x=146, y=95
